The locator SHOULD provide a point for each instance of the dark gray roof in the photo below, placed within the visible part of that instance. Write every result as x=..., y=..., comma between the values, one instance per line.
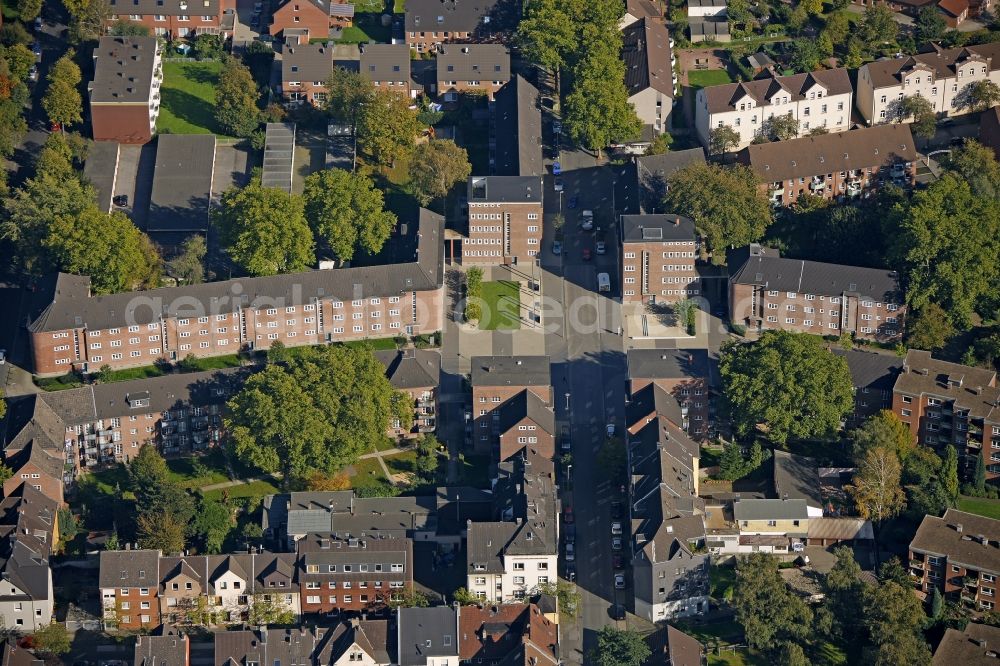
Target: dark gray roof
x=411, y=368
x=450, y=15
x=510, y=371
x=527, y=405
x=517, y=130
x=656, y=228
x=72, y=306
x=426, y=632
x=653, y=173
x=667, y=363
x=649, y=402
x=267, y=646
x=101, y=169
x=969, y=388
x=642, y=9
x=727, y=96
x=166, y=7
x=871, y=370
x=169, y=649
x=129, y=568
x=33, y=422
x=341, y=513
x=646, y=52
x=26, y=569
x=762, y=266
x=770, y=509
x=941, y=536
x=797, y=477
x=969, y=647
x=809, y=156
x=708, y=28
x=123, y=69
x=279, y=155
x=486, y=543
x=473, y=62
x=386, y=62
x=942, y=62
x=182, y=183
x=683, y=649
x=760, y=60
x=509, y=189
x=306, y=62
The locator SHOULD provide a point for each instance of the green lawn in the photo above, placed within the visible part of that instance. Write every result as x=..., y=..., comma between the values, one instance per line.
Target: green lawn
x=722, y=580
x=188, y=93
x=213, y=363
x=385, y=444
x=502, y=306
x=700, y=78
x=367, y=473
x=402, y=463
x=60, y=383
x=198, y=471
x=252, y=489
x=399, y=6
x=982, y=506
x=367, y=28
x=145, y=372
x=377, y=344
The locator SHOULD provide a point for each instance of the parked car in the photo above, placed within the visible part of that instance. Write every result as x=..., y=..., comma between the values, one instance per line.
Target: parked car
x=570, y=533
x=568, y=515
x=617, y=612
x=39, y=23
x=616, y=543
x=3, y=356
x=616, y=510
x=616, y=527
x=587, y=220
x=33, y=73
x=601, y=247
x=573, y=201
x=558, y=185
x=571, y=572
x=617, y=561
x=570, y=552
x=619, y=581
x=564, y=440
x=120, y=200
x=255, y=20
x=556, y=248
x=585, y=253
x=556, y=168
x=557, y=127
x=610, y=428
x=36, y=48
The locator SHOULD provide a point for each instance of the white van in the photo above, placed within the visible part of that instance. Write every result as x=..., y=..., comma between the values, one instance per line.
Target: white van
x=603, y=282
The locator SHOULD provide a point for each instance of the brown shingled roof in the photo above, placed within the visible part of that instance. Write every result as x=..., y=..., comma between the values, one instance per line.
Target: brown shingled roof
x=976, y=546
x=941, y=62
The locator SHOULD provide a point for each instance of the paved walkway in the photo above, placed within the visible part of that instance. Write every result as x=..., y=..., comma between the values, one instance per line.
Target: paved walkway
x=240, y=482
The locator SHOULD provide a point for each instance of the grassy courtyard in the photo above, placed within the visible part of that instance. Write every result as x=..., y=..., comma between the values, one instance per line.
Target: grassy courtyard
x=188, y=98
x=700, y=78
x=367, y=28
x=501, y=306
x=981, y=506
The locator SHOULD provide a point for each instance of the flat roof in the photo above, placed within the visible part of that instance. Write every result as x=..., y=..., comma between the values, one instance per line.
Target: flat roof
x=279, y=155
x=182, y=183
x=101, y=169
x=123, y=70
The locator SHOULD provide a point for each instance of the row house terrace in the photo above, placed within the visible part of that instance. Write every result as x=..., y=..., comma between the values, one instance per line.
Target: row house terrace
x=658, y=259
x=467, y=68
x=947, y=403
x=944, y=77
x=497, y=380
x=75, y=330
x=767, y=291
x=174, y=18
x=431, y=23
x=959, y=554
x=838, y=166
x=816, y=99
x=684, y=375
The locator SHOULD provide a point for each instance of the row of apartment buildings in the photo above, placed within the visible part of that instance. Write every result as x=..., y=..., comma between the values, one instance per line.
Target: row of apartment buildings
x=826, y=98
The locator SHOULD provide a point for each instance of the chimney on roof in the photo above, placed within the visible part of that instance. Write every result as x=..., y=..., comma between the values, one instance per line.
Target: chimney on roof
x=958, y=528
x=677, y=221
x=982, y=539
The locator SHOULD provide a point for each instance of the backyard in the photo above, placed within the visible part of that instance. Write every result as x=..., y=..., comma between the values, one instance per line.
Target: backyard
x=188, y=94
x=501, y=306
x=981, y=506
x=701, y=78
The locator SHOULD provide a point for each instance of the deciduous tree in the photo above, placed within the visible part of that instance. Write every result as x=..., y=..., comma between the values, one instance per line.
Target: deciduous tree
x=265, y=230
x=236, y=98
x=726, y=204
x=212, y=523
x=347, y=94
x=981, y=95
x=930, y=24
x=930, y=328
x=787, y=384
x=883, y=429
x=876, y=487
x=547, y=33
x=29, y=9
x=877, y=27
x=62, y=101
x=617, y=647
x=920, y=113
x=386, y=128
x=770, y=613
x=977, y=165
x=845, y=597
x=188, y=266
x=160, y=530
x=722, y=139
x=53, y=639
x=346, y=212
x=895, y=619
x=435, y=167
x=597, y=111
x=781, y=128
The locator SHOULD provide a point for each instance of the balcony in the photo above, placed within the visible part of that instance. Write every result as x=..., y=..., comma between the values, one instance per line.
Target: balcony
x=817, y=185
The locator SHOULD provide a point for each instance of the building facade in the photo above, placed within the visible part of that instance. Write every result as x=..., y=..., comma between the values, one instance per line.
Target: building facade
x=317, y=18
x=496, y=380
x=658, y=259
x=505, y=220
x=429, y=23
x=125, y=92
x=767, y=291
x=478, y=68
x=174, y=18
x=944, y=77
x=649, y=72
x=817, y=99
x=685, y=375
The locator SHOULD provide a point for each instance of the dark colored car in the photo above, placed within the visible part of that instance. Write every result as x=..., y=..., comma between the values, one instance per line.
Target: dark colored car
x=618, y=562
x=120, y=200
x=571, y=572
x=568, y=515
x=573, y=201
x=586, y=254
x=556, y=168
x=617, y=510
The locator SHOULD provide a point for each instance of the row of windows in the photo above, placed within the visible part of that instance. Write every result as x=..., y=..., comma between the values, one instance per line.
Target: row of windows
x=805, y=322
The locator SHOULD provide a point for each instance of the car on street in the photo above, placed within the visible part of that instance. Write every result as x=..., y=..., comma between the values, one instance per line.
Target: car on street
x=571, y=572
x=585, y=253
x=617, y=612
x=610, y=429
x=556, y=168
x=570, y=533
x=548, y=102
x=557, y=185
x=616, y=543
x=573, y=201
x=39, y=23
x=33, y=73
x=616, y=527
x=564, y=440
x=3, y=356
x=617, y=562
x=557, y=127
x=601, y=247
x=36, y=48
x=587, y=220
x=619, y=581
x=616, y=510
x=556, y=248
x=120, y=200
x=568, y=515
x=255, y=20
x=570, y=552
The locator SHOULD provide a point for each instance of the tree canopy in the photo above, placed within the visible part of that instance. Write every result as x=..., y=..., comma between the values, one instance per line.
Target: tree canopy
x=617, y=647
x=917, y=109
x=771, y=614
x=788, y=384
x=435, y=167
x=597, y=111
x=346, y=211
x=883, y=429
x=265, y=230
x=726, y=204
x=386, y=127
x=347, y=93
x=236, y=98
x=876, y=487
x=316, y=412
x=62, y=100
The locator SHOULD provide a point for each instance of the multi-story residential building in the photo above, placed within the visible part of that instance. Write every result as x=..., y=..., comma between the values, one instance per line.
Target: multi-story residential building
x=684, y=374
x=317, y=19
x=526, y=422
x=130, y=587
x=508, y=634
x=38, y=467
x=496, y=380
x=388, y=66
x=344, y=571
x=167, y=648
x=669, y=563
x=771, y=525
x=658, y=255
x=171, y=19
x=415, y=372
x=509, y=558
x=125, y=92
x=816, y=99
x=989, y=129
x=797, y=477
x=767, y=291
x=77, y=330
x=305, y=69
x=430, y=23
x=30, y=529
x=428, y=636
x=944, y=77
x=355, y=642
x=948, y=403
x=636, y=10
x=974, y=645
x=959, y=554
x=649, y=72
x=653, y=172
x=516, y=130
x=478, y=68
x=33, y=426
x=837, y=166
x=505, y=220
x=873, y=376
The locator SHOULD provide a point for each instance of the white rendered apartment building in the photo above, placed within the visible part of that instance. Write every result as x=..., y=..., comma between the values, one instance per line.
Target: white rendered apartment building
x=943, y=77
x=817, y=99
